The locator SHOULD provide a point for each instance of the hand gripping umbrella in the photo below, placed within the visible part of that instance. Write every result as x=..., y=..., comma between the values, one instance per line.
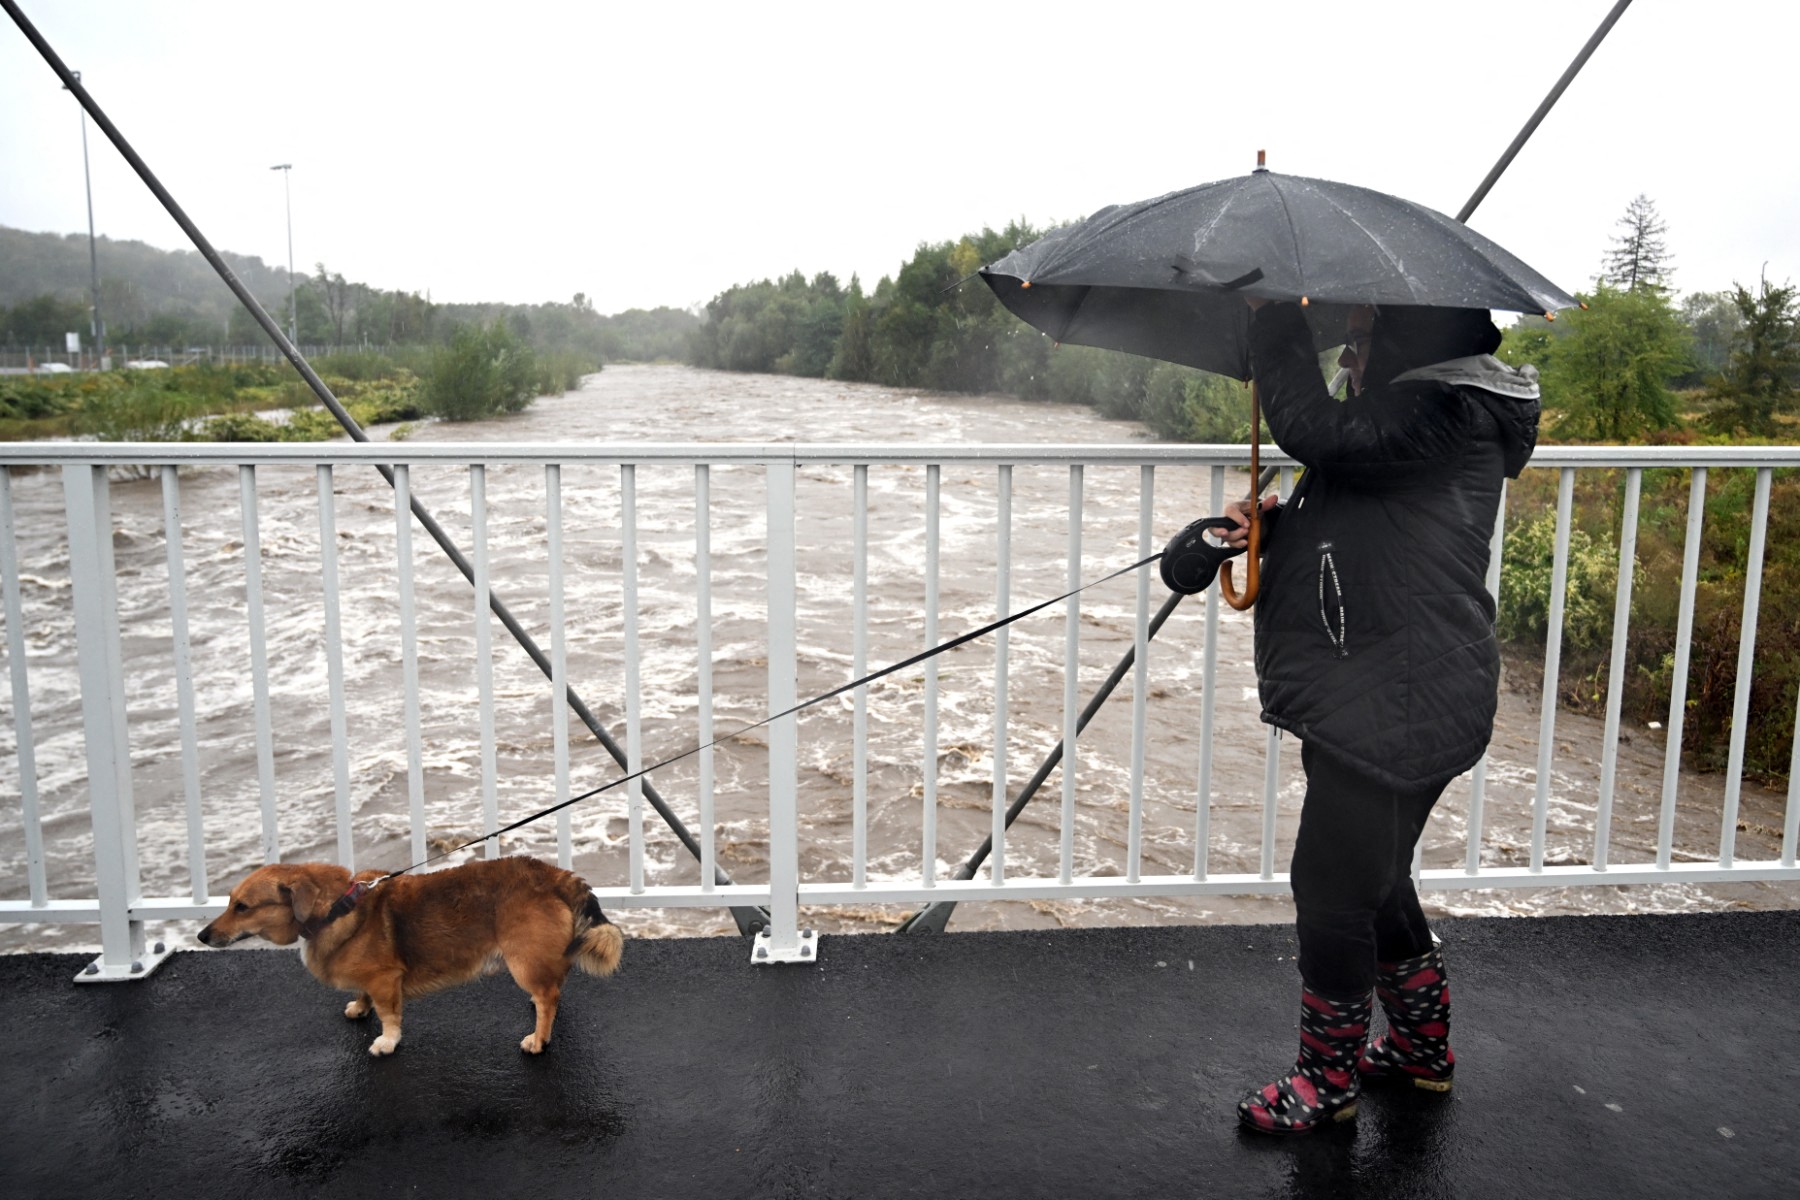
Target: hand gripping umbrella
x=1166, y=278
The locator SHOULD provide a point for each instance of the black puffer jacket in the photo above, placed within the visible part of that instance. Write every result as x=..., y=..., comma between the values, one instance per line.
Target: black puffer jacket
x=1374, y=628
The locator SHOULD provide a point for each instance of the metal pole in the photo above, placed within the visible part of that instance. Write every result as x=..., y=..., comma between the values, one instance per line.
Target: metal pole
x=1543, y=110
x=287, y=194
x=96, y=326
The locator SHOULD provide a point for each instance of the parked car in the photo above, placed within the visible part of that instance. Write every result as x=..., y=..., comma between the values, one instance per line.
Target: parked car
x=54, y=368
x=146, y=364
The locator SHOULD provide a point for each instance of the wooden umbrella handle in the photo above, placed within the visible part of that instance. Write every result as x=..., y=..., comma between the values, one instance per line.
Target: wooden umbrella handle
x=1253, y=558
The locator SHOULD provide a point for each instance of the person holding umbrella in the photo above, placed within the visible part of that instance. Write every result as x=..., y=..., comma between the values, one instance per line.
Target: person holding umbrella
x=1374, y=627
x=1375, y=646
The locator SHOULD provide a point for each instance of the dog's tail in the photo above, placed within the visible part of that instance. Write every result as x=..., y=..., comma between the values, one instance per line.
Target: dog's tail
x=597, y=943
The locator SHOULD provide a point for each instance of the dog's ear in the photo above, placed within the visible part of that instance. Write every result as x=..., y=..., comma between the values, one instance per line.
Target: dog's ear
x=302, y=894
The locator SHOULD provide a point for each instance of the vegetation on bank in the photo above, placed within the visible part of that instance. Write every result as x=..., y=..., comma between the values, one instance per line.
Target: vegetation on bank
x=482, y=372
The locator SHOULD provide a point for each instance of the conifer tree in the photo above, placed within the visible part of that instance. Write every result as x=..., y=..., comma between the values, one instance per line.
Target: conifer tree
x=1639, y=258
x=1762, y=375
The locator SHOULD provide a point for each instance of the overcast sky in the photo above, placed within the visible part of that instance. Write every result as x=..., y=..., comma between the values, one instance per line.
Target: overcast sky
x=657, y=152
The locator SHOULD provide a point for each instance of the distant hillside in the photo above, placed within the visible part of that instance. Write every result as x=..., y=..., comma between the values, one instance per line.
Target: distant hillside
x=150, y=296
x=137, y=281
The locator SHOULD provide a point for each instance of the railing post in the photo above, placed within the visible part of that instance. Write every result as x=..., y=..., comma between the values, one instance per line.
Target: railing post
x=95, y=599
x=783, y=941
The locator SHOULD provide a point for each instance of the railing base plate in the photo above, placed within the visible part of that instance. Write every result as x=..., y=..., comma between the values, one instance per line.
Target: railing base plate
x=764, y=954
x=141, y=967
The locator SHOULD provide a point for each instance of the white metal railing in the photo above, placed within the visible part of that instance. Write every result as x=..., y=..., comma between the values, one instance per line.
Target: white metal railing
x=804, y=563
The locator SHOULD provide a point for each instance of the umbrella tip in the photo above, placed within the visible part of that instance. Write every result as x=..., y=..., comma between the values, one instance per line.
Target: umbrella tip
x=1262, y=160
x=1304, y=302
x=1550, y=316
x=1024, y=283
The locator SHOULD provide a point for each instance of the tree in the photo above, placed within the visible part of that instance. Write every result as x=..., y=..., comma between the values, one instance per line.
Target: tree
x=43, y=320
x=336, y=294
x=1638, y=259
x=1530, y=340
x=1713, y=321
x=1762, y=374
x=1609, y=374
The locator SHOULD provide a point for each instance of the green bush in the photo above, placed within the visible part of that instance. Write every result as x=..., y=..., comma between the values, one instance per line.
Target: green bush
x=238, y=427
x=358, y=365
x=484, y=371
x=562, y=371
x=146, y=409
x=1530, y=557
x=29, y=397
x=1184, y=405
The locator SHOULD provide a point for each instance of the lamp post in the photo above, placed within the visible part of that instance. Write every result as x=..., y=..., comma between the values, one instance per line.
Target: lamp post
x=96, y=326
x=286, y=169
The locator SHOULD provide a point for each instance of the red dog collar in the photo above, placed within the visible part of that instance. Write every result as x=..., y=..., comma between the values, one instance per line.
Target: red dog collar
x=310, y=927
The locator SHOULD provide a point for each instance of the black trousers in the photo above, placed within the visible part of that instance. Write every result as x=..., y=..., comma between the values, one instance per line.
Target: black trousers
x=1354, y=900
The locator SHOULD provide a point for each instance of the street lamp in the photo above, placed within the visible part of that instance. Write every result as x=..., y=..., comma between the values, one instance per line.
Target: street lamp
x=286, y=169
x=96, y=326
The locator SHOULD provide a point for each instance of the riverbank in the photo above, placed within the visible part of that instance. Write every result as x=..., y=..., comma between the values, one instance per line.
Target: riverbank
x=480, y=372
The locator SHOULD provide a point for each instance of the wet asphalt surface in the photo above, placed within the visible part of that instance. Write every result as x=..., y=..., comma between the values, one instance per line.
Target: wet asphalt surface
x=1639, y=1056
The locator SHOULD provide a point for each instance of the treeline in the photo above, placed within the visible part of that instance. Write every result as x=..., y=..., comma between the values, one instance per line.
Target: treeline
x=1632, y=365
x=933, y=325
x=150, y=296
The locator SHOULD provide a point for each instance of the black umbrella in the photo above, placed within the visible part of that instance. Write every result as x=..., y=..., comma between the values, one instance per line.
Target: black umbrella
x=1165, y=278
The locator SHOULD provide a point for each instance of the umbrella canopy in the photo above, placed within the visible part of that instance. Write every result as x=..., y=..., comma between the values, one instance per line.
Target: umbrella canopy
x=1166, y=278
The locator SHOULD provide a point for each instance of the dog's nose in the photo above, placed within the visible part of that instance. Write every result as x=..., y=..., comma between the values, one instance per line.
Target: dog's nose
x=204, y=937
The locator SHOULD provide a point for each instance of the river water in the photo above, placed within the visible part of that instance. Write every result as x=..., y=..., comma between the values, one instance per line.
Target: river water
x=675, y=404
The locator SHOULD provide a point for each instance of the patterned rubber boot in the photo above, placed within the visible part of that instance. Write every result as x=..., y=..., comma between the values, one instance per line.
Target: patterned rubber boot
x=1415, y=996
x=1323, y=1088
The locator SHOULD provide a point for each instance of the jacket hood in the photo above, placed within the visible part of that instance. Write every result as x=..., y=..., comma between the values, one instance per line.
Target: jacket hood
x=1510, y=394
x=1405, y=337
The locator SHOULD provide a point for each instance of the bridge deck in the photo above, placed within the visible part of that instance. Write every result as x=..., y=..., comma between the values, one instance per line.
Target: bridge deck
x=1599, y=1056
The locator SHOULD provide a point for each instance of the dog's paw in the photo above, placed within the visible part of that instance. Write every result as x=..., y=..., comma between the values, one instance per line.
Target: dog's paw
x=531, y=1044
x=383, y=1045
x=357, y=1008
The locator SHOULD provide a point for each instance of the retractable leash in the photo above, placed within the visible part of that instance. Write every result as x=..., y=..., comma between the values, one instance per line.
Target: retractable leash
x=348, y=901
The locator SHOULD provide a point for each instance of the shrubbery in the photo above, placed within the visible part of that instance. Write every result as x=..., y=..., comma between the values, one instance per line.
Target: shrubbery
x=1524, y=607
x=484, y=371
x=1655, y=604
x=143, y=410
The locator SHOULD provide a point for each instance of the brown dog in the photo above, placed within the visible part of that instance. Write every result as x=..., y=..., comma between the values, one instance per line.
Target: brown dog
x=412, y=934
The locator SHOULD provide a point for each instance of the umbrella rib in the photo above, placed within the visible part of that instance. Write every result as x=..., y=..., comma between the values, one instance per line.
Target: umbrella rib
x=1130, y=215
x=1385, y=253
x=1293, y=234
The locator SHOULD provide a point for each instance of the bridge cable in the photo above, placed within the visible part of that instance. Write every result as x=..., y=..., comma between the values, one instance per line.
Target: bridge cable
x=749, y=920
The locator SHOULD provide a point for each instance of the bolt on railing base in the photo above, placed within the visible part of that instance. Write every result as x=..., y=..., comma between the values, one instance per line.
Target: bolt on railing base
x=140, y=967
x=763, y=952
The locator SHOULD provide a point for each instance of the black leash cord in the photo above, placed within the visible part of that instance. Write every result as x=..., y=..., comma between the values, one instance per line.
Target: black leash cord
x=920, y=657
